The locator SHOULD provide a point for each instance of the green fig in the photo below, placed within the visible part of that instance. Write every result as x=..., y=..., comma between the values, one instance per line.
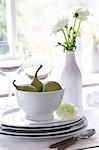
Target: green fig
x=25, y=87
x=51, y=86
x=36, y=82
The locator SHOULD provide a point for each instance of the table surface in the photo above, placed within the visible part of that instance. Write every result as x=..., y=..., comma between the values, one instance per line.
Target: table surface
x=13, y=143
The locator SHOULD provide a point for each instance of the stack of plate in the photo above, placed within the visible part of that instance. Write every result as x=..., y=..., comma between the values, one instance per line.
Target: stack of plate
x=15, y=124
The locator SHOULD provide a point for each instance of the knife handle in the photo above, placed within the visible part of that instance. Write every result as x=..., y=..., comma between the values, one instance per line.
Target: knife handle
x=66, y=142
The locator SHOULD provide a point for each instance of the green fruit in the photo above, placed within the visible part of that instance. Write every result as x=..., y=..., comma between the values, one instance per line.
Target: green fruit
x=66, y=111
x=25, y=87
x=51, y=86
x=28, y=88
x=36, y=82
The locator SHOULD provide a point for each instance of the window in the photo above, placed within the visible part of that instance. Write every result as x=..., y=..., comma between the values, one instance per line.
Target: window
x=3, y=28
x=33, y=28
x=26, y=25
x=2, y=21
x=34, y=22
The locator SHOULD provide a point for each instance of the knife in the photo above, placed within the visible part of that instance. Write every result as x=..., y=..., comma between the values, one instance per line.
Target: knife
x=67, y=142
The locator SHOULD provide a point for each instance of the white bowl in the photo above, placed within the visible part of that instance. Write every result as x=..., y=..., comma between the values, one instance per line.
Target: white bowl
x=39, y=105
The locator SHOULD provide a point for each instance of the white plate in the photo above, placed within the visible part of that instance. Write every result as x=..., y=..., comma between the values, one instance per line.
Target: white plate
x=46, y=132
x=45, y=129
x=16, y=117
x=39, y=136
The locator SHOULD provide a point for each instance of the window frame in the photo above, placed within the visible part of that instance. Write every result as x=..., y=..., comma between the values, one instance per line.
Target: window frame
x=11, y=25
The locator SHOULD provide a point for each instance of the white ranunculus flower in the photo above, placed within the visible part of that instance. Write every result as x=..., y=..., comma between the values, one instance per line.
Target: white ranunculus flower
x=70, y=30
x=60, y=24
x=82, y=14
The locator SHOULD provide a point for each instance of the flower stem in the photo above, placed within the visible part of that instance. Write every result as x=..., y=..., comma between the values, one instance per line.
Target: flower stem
x=74, y=28
x=78, y=28
x=68, y=34
x=64, y=35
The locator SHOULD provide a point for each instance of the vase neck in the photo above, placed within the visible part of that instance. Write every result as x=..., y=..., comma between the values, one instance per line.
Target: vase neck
x=70, y=56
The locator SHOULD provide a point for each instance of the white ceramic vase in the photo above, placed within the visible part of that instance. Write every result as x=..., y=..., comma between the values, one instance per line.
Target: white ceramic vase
x=71, y=80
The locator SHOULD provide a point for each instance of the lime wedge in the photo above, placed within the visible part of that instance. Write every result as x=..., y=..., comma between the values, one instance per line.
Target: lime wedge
x=66, y=111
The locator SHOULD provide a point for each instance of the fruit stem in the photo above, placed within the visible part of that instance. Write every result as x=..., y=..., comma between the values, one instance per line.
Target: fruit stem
x=38, y=70
x=14, y=83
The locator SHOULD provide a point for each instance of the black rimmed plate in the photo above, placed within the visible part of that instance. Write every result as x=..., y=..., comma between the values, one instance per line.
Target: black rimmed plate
x=67, y=128
x=47, y=135
x=45, y=129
